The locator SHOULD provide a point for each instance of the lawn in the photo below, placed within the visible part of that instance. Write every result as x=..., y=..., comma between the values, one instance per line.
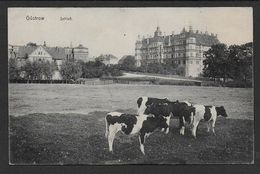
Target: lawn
x=64, y=124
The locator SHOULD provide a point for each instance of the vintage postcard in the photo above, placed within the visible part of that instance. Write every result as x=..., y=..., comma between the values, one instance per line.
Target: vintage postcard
x=109, y=86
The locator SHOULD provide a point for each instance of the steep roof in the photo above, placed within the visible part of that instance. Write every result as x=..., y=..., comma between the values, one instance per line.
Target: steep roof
x=204, y=39
x=201, y=39
x=81, y=47
x=152, y=40
x=57, y=53
x=25, y=51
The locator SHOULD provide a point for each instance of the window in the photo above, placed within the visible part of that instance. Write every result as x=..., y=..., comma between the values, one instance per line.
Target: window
x=183, y=62
x=191, y=62
x=197, y=62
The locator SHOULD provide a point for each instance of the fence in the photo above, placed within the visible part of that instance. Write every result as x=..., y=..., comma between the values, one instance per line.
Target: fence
x=107, y=81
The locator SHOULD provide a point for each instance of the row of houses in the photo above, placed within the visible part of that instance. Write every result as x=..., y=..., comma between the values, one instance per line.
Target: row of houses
x=33, y=52
x=184, y=49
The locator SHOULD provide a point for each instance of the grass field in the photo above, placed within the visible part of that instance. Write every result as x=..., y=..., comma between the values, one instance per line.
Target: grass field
x=64, y=124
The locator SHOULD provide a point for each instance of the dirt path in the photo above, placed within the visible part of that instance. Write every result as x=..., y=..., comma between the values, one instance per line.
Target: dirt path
x=131, y=75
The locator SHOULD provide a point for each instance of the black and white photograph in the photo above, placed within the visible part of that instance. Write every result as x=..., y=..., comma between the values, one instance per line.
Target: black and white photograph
x=128, y=85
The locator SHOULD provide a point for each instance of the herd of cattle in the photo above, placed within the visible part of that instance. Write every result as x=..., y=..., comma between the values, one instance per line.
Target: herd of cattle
x=154, y=113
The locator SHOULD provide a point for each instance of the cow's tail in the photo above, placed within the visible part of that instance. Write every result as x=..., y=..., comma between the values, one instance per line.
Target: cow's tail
x=139, y=102
x=107, y=126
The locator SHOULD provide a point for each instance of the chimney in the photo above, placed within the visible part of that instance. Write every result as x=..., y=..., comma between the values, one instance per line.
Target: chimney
x=138, y=37
x=190, y=29
x=44, y=43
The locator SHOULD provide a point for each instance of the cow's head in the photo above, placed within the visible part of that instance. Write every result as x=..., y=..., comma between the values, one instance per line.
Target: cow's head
x=221, y=111
x=189, y=114
x=157, y=109
x=164, y=123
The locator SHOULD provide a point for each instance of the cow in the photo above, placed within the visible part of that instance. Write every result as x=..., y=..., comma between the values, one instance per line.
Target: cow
x=144, y=102
x=184, y=111
x=131, y=124
x=208, y=114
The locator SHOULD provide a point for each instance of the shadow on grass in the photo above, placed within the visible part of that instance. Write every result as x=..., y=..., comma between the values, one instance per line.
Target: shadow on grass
x=79, y=139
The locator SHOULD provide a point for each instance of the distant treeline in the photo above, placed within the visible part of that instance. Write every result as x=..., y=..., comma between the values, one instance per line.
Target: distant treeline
x=70, y=70
x=223, y=66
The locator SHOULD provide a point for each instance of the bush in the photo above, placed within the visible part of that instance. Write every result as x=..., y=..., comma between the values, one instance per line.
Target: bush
x=239, y=84
x=38, y=70
x=180, y=71
x=13, y=69
x=71, y=69
x=97, y=69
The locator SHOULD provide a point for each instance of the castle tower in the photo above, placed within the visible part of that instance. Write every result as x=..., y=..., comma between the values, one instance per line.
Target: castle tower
x=157, y=32
x=138, y=45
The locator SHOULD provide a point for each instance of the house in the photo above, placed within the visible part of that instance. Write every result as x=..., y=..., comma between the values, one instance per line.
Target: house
x=35, y=52
x=80, y=53
x=107, y=59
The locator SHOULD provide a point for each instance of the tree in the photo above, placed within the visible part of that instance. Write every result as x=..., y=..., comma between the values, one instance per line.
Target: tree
x=70, y=69
x=234, y=62
x=33, y=70
x=154, y=68
x=31, y=44
x=180, y=70
x=13, y=69
x=241, y=62
x=48, y=69
x=93, y=69
x=216, y=64
x=128, y=63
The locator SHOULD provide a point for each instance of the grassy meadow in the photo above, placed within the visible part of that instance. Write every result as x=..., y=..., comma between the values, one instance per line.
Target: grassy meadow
x=64, y=124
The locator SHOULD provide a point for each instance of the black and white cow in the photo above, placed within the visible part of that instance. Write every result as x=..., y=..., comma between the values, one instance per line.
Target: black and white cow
x=144, y=125
x=144, y=102
x=181, y=110
x=208, y=114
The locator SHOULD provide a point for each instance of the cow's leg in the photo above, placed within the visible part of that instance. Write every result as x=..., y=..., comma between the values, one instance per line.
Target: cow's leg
x=168, y=119
x=213, y=126
x=111, y=136
x=208, y=126
x=194, y=128
x=182, y=128
x=142, y=140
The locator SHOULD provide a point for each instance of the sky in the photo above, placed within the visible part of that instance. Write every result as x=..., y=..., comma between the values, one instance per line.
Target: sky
x=115, y=30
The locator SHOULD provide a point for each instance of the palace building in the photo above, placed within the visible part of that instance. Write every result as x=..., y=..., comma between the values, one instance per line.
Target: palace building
x=184, y=49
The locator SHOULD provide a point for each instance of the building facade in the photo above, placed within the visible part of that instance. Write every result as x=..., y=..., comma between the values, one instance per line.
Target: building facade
x=33, y=52
x=184, y=49
x=80, y=53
